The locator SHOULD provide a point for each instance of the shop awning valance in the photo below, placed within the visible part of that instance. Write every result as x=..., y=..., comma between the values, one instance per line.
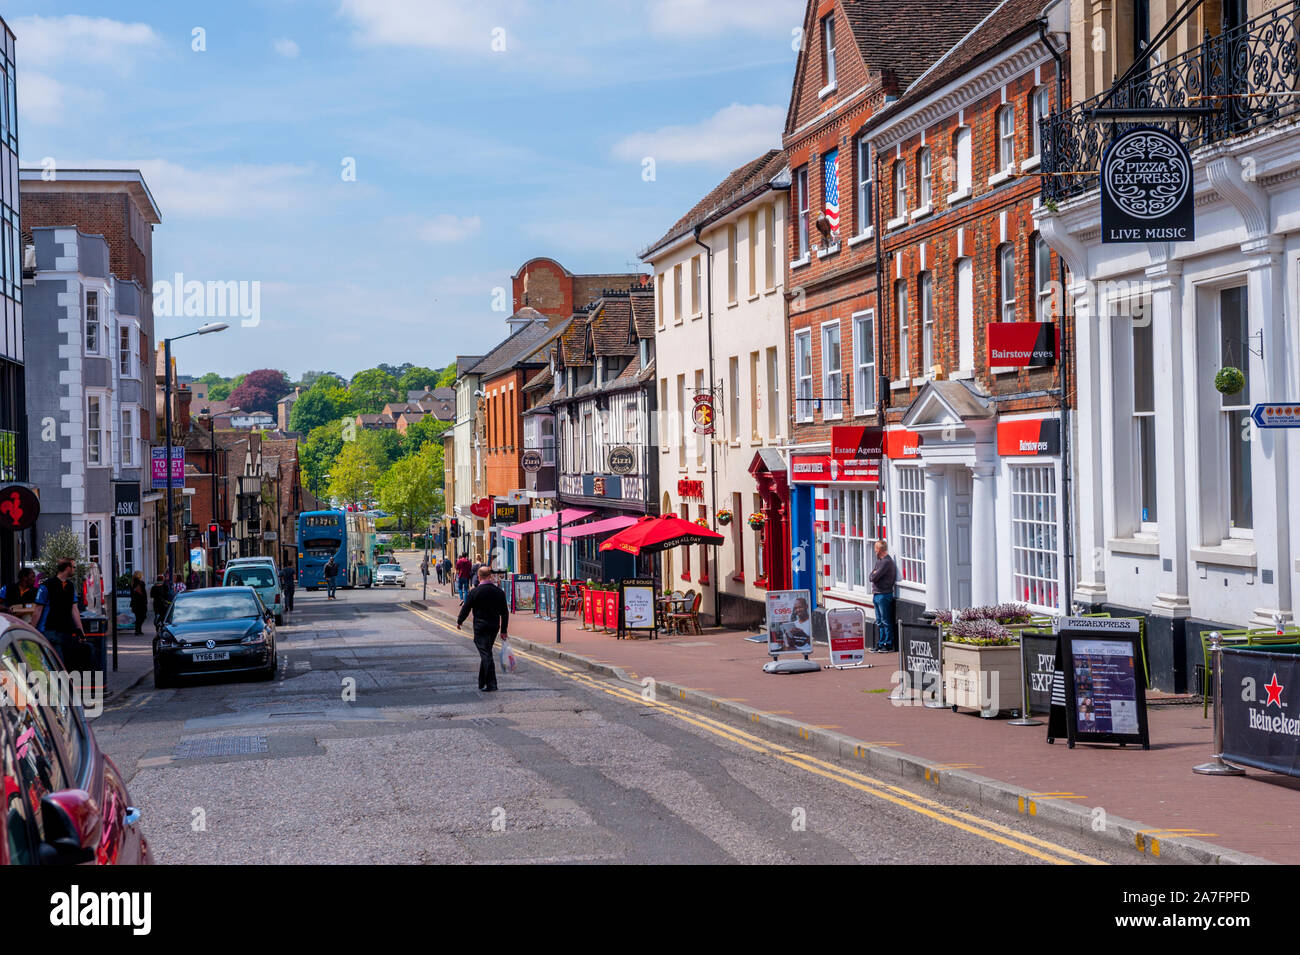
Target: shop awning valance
x=567, y=516
x=595, y=527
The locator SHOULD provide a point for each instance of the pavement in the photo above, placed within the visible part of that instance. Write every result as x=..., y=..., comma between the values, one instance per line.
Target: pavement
x=1147, y=800
x=373, y=744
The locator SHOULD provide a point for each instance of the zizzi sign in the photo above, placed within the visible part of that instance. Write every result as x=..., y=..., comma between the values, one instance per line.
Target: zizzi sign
x=1021, y=344
x=1146, y=188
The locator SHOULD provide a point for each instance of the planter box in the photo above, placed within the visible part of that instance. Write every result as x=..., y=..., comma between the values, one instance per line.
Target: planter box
x=971, y=674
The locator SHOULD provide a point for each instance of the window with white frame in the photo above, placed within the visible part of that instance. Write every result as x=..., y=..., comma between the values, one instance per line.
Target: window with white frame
x=865, y=184
x=828, y=51
x=864, y=363
x=900, y=188
x=128, y=546
x=1144, y=419
x=911, y=524
x=927, y=323
x=700, y=440
x=1006, y=137
x=733, y=372
x=659, y=295
x=832, y=371
x=94, y=332
x=801, y=198
x=683, y=418
x=852, y=522
x=773, y=394
x=1234, y=332
x=128, y=438
x=964, y=281
x=677, y=292
x=126, y=351
x=923, y=179
x=733, y=265
x=803, y=404
x=1040, y=106
x=1007, y=282
x=769, y=246
x=961, y=150
x=696, y=273
x=1043, y=287
x=751, y=226
x=93, y=540
x=900, y=310
x=95, y=432
x=1034, y=560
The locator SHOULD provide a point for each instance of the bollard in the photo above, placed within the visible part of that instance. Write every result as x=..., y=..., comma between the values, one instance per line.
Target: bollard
x=1216, y=766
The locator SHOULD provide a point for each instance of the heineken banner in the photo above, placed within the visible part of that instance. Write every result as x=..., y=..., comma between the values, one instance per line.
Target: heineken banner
x=1260, y=727
x=1146, y=188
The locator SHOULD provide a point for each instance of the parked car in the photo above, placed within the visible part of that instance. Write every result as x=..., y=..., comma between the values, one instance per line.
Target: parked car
x=390, y=574
x=216, y=630
x=64, y=802
x=259, y=573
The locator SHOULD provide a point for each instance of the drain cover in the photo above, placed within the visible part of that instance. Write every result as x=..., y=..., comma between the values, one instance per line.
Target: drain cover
x=220, y=746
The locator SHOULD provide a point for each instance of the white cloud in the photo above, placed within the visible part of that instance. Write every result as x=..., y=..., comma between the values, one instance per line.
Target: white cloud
x=49, y=41
x=687, y=18
x=431, y=24
x=41, y=99
x=733, y=134
x=286, y=47
x=446, y=227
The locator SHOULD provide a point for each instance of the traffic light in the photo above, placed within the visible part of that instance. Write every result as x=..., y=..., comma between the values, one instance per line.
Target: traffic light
x=455, y=527
x=214, y=536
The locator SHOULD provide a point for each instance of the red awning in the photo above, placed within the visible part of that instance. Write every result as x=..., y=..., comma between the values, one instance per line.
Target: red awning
x=650, y=535
x=567, y=516
x=595, y=527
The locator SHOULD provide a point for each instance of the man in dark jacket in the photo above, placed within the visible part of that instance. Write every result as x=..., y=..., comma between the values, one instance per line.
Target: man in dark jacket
x=288, y=581
x=884, y=576
x=59, y=598
x=463, y=570
x=21, y=592
x=331, y=578
x=161, y=595
x=487, y=602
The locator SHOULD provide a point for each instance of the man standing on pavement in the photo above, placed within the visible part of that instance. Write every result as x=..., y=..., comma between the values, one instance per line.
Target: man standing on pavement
x=60, y=601
x=161, y=596
x=288, y=581
x=463, y=569
x=331, y=579
x=424, y=572
x=884, y=576
x=487, y=602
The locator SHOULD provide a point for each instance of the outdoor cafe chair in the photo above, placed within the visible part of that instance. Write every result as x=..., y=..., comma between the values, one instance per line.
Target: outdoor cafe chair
x=689, y=617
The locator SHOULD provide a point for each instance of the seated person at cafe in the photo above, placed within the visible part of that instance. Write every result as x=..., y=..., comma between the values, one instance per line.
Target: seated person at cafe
x=21, y=592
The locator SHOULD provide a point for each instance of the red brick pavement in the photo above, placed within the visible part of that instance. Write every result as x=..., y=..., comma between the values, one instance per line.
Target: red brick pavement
x=1251, y=814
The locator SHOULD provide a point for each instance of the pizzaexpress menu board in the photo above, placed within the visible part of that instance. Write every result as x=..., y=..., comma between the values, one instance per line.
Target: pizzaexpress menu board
x=1105, y=696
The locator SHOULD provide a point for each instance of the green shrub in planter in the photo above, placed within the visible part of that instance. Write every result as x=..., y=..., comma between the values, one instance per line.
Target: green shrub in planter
x=1229, y=381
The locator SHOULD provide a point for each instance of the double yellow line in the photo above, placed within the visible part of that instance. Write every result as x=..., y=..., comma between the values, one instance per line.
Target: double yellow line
x=1040, y=849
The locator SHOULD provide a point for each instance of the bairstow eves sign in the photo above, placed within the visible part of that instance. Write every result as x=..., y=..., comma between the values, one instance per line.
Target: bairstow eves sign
x=1146, y=188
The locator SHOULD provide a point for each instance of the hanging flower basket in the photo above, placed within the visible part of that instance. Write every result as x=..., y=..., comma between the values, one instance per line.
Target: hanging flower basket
x=1229, y=380
x=757, y=520
x=702, y=521
x=723, y=517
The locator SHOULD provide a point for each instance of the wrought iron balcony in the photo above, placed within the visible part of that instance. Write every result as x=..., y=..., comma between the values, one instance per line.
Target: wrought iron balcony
x=1243, y=78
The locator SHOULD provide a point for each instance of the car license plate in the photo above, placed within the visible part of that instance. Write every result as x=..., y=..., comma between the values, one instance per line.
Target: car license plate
x=212, y=657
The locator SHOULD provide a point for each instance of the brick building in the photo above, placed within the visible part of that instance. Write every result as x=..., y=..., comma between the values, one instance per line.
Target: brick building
x=547, y=286
x=856, y=58
x=974, y=483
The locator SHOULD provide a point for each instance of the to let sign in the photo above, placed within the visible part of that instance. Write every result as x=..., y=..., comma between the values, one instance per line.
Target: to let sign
x=1146, y=188
x=159, y=468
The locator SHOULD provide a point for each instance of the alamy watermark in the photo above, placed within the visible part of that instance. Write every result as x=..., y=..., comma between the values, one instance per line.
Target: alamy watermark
x=190, y=298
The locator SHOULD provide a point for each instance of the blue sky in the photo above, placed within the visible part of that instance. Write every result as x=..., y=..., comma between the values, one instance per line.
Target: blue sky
x=469, y=160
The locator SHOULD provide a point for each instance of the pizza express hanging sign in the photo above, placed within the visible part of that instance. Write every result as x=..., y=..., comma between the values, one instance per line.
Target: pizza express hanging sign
x=1146, y=188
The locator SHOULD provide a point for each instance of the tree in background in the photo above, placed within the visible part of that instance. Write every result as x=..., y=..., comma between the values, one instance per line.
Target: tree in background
x=389, y=443
x=416, y=378
x=317, y=452
x=371, y=390
x=325, y=401
x=422, y=432
x=55, y=546
x=448, y=377
x=356, y=471
x=412, y=488
x=260, y=390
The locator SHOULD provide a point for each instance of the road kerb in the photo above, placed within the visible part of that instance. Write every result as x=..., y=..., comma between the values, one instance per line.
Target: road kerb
x=888, y=760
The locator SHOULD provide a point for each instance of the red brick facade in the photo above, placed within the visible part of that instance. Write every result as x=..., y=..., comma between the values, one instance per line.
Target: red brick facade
x=108, y=214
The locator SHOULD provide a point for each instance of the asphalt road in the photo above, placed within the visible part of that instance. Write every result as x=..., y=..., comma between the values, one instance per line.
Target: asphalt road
x=374, y=745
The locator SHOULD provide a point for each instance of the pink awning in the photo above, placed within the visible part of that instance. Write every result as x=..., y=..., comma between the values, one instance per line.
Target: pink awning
x=595, y=527
x=567, y=516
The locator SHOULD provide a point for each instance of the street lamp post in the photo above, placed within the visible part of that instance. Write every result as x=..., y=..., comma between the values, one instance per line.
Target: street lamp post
x=207, y=329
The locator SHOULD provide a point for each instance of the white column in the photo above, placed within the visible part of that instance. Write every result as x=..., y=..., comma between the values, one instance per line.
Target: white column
x=1086, y=500
x=984, y=545
x=1171, y=473
x=936, y=562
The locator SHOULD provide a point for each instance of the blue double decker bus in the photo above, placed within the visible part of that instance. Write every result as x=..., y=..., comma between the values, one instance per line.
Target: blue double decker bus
x=344, y=535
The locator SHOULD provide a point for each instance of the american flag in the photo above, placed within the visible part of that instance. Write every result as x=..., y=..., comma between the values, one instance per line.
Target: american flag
x=831, y=182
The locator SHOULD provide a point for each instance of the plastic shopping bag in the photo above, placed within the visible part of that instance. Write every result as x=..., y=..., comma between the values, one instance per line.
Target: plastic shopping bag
x=506, y=657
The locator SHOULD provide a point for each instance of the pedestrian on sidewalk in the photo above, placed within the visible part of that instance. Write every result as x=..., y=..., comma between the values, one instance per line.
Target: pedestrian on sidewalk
x=139, y=601
x=288, y=581
x=331, y=579
x=446, y=569
x=463, y=570
x=491, y=612
x=161, y=596
x=424, y=572
x=21, y=592
x=884, y=577
x=60, y=601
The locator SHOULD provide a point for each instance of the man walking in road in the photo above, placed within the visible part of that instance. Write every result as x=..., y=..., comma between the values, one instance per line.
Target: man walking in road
x=288, y=581
x=884, y=576
x=463, y=570
x=331, y=578
x=487, y=602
